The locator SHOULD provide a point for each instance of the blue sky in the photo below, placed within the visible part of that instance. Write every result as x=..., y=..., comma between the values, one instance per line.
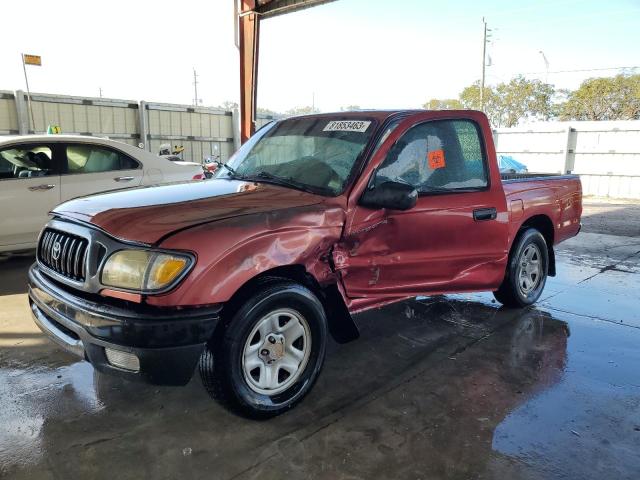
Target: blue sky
x=379, y=54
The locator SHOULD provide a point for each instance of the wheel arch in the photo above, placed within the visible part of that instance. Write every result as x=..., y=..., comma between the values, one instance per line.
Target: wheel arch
x=544, y=225
x=342, y=327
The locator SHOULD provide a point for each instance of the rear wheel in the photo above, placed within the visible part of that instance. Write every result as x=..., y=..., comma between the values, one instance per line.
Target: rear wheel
x=526, y=272
x=270, y=353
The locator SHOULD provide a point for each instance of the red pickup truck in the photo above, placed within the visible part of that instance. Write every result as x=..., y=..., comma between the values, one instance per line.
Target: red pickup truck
x=313, y=219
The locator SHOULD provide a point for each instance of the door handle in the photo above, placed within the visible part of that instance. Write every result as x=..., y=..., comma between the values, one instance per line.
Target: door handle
x=123, y=179
x=485, y=214
x=44, y=186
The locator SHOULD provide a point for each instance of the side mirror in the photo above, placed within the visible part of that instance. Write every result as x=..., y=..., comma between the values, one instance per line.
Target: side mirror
x=391, y=195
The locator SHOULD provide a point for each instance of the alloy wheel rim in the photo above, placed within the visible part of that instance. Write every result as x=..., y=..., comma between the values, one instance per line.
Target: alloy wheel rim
x=276, y=351
x=529, y=269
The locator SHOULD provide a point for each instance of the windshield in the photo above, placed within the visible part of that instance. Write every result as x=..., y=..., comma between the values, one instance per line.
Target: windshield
x=316, y=154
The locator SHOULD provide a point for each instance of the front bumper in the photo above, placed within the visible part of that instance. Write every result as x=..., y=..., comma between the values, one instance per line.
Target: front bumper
x=167, y=342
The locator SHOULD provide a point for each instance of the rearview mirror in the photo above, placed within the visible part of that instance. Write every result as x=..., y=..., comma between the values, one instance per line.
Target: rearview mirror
x=391, y=195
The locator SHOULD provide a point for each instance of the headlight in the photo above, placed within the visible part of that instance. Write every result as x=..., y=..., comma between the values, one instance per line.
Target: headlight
x=143, y=270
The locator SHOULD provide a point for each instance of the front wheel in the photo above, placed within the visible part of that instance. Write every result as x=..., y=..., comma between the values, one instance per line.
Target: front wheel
x=527, y=269
x=270, y=353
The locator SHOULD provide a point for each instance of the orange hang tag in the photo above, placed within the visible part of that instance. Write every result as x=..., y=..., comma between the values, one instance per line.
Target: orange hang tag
x=436, y=159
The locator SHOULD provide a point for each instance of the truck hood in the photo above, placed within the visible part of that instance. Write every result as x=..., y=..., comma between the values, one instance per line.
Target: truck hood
x=148, y=214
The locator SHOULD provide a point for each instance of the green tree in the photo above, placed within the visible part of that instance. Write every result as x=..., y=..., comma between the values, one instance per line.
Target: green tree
x=446, y=104
x=470, y=99
x=523, y=99
x=306, y=110
x=604, y=98
x=507, y=104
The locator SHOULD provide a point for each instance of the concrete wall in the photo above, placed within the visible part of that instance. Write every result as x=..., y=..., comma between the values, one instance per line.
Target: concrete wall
x=202, y=131
x=605, y=154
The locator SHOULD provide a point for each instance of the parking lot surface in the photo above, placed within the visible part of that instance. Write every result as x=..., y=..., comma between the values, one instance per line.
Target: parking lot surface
x=441, y=387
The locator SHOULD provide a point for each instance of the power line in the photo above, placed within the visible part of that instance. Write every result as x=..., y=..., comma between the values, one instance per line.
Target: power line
x=582, y=70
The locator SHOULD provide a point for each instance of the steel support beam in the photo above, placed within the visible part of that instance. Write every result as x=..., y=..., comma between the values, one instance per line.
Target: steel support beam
x=249, y=33
x=143, y=126
x=249, y=14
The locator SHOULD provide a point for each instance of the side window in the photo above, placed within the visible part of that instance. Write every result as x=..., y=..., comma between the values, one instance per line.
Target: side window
x=435, y=156
x=95, y=159
x=27, y=161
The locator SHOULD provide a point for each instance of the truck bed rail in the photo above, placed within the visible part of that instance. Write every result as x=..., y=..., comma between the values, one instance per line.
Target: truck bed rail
x=525, y=177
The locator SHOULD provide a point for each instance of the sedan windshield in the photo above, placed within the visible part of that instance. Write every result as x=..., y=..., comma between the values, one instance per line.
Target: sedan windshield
x=315, y=154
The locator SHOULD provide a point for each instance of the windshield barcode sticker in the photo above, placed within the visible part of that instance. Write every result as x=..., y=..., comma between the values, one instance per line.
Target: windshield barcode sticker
x=347, y=126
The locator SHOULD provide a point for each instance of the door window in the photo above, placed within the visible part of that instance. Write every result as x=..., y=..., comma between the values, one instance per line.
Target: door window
x=26, y=161
x=436, y=156
x=95, y=159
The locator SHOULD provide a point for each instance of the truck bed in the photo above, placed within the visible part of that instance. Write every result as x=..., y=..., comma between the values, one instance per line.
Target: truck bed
x=558, y=197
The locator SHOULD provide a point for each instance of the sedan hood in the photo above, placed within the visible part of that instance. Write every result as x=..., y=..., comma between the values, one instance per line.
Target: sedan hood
x=148, y=214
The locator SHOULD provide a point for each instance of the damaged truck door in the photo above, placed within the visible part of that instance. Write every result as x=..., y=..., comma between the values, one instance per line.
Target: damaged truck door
x=455, y=237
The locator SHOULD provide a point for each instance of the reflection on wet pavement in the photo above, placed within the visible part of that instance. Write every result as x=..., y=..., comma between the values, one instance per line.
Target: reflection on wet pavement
x=437, y=387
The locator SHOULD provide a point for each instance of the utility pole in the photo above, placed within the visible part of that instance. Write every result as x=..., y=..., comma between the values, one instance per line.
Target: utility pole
x=100, y=90
x=195, y=87
x=484, y=54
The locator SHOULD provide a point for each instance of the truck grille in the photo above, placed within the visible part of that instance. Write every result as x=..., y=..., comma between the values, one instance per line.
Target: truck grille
x=63, y=253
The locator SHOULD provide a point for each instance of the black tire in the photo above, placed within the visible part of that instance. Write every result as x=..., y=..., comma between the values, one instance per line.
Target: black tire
x=221, y=365
x=514, y=292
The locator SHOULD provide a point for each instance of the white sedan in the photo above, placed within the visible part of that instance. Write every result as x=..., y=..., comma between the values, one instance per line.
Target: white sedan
x=37, y=172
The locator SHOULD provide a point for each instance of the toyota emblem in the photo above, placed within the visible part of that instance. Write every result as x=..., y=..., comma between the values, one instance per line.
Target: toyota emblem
x=56, y=251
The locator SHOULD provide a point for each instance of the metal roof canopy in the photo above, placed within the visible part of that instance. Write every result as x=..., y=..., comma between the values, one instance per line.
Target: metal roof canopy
x=248, y=21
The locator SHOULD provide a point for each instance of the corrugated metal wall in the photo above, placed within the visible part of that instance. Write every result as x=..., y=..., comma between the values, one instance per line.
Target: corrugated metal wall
x=201, y=131
x=117, y=119
x=8, y=115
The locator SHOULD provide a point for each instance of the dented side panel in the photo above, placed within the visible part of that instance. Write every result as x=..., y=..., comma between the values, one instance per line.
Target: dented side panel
x=433, y=247
x=233, y=251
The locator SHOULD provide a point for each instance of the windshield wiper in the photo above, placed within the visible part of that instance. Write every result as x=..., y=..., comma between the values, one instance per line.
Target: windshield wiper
x=232, y=170
x=270, y=177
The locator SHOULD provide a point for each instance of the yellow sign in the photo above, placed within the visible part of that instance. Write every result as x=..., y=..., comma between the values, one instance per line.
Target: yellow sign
x=32, y=59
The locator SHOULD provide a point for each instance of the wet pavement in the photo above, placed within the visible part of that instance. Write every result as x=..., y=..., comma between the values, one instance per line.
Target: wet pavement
x=441, y=387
